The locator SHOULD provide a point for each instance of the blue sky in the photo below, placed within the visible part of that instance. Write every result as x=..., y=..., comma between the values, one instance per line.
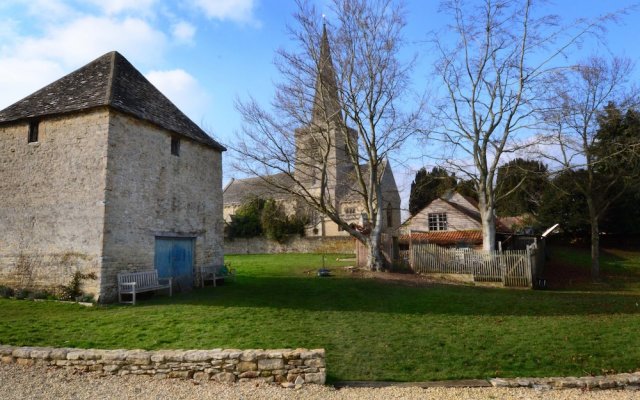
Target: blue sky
x=203, y=54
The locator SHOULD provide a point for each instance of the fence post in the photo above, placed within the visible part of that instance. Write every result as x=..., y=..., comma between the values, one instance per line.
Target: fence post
x=411, y=249
x=531, y=263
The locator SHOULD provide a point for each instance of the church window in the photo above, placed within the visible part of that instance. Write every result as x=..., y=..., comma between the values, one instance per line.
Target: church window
x=389, y=215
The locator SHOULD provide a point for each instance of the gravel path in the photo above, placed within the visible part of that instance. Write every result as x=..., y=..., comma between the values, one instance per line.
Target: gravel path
x=17, y=382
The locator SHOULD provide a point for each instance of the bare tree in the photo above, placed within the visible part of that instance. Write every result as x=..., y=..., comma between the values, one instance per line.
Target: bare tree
x=492, y=77
x=583, y=102
x=333, y=125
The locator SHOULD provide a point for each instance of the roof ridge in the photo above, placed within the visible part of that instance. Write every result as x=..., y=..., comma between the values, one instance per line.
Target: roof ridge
x=109, y=95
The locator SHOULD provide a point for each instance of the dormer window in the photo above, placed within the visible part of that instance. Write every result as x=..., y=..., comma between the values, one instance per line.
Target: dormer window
x=33, y=131
x=175, y=146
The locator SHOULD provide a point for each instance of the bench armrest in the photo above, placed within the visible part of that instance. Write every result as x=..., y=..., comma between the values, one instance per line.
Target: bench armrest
x=168, y=280
x=128, y=283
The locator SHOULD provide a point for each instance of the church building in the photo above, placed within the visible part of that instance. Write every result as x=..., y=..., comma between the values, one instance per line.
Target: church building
x=327, y=138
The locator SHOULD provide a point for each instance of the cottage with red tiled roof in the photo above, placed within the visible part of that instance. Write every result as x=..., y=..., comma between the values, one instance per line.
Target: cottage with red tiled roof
x=100, y=173
x=451, y=220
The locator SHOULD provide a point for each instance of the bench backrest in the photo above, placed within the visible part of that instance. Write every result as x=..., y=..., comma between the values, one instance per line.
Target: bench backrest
x=142, y=279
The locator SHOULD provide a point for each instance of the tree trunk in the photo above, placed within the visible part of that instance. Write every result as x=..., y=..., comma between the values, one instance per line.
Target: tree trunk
x=488, y=227
x=375, y=255
x=595, y=243
x=374, y=260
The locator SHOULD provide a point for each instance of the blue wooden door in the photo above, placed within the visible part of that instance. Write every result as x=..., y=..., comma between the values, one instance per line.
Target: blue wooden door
x=174, y=258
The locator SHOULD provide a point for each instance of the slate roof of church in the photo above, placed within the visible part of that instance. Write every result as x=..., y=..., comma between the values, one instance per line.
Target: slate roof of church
x=109, y=80
x=240, y=190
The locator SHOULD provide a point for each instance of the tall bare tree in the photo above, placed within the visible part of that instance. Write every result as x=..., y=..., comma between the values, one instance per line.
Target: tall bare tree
x=581, y=113
x=492, y=76
x=332, y=124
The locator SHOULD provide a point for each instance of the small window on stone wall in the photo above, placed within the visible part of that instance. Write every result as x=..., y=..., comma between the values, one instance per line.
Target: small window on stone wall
x=175, y=146
x=33, y=131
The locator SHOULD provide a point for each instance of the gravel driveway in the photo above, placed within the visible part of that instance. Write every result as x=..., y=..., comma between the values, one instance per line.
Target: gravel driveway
x=17, y=382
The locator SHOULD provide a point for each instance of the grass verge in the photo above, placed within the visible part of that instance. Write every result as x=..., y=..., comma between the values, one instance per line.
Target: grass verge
x=372, y=330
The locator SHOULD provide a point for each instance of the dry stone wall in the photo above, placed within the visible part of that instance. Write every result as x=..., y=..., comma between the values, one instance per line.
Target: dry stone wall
x=284, y=366
x=293, y=245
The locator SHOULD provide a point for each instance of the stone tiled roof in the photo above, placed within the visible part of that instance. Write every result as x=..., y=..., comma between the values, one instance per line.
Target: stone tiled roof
x=444, y=238
x=112, y=81
x=240, y=190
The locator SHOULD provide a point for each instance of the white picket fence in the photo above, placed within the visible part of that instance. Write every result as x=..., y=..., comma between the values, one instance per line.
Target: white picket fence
x=510, y=267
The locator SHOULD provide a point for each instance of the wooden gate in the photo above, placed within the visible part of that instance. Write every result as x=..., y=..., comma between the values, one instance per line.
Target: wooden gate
x=511, y=267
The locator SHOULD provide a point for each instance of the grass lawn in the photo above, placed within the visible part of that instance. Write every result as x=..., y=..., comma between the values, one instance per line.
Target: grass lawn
x=372, y=330
x=570, y=269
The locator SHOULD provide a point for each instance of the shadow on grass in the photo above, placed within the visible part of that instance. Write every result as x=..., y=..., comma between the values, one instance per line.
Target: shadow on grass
x=369, y=296
x=569, y=268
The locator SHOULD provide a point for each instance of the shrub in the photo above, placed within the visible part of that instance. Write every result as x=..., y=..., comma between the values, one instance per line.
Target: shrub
x=277, y=225
x=246, y=222
x=22, y=294
x=72, y=292
x=39, y=294
x=6, y=292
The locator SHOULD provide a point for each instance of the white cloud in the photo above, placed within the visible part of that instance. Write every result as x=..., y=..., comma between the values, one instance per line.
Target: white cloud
x=21, y=77
x=87, y=38
x=48, y=10
x=113, y=7
x=183, y=90
x=232, y=10
x=183, y=32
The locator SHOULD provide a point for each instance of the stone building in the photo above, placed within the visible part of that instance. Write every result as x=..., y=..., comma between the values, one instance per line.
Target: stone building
x=100, y=173
x=327, y=128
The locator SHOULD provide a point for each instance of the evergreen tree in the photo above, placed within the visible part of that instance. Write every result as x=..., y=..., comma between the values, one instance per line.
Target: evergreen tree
x=520, y=186
x=428, y=186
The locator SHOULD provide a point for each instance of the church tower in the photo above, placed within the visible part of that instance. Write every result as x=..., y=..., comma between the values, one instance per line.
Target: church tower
x=324, y=144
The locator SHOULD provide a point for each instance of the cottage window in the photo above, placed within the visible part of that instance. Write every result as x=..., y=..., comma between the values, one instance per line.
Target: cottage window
x=437, y=221
x=33, y=131
x=175, y=146
x=350, y=210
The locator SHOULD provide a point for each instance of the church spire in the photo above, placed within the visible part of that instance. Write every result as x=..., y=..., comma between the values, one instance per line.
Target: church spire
x=326, y=102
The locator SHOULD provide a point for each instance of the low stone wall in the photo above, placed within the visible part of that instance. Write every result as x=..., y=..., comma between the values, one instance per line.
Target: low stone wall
x=260, y=245
x=285, y=366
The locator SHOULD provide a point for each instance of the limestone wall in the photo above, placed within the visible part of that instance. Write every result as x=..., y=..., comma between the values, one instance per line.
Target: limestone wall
x=151, y=193
x=230, y=365
x=52, y=200
x=293, y=245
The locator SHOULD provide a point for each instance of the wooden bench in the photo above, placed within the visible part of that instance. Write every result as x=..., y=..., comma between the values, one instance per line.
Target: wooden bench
x=215, y=273
x=142, y=281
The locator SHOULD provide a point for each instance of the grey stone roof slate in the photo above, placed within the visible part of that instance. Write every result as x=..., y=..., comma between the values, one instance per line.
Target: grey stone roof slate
x=109, y=80
x=240, y=190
